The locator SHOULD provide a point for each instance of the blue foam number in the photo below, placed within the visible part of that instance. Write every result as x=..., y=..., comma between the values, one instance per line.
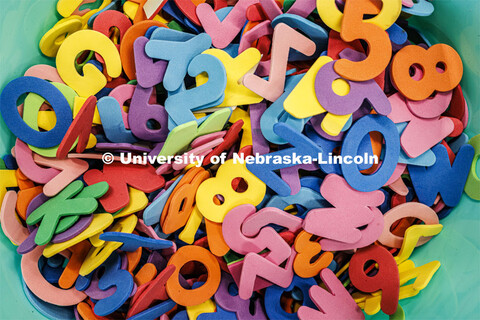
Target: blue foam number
x=132, y=242
x=8, y=108
x=114, y=276
x=276, y=113
x=179, y=54
x=448, y=180
x=110, y=113
x=274, y=293
x=302, y=147
x=312, y=30
x=353, y=138
x=179, y=106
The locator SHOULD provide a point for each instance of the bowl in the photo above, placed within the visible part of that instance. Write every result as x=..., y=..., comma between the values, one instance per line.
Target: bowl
x=453, y=291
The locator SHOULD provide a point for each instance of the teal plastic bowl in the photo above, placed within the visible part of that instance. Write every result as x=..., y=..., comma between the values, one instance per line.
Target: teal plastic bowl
x=453, y=293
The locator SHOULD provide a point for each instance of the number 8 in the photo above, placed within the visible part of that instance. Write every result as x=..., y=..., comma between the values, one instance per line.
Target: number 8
x=429, y=60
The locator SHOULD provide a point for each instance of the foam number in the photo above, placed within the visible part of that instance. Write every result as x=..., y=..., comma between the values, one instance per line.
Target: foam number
x=431, y=61
x=222, y=185
x=371, y=303
x=119, y=176
x=444, y=178
x=199, y=295
x=362, y=127
x=236, y=68
x=386, y=279
x=223, y=32
x=179, y=205
x=33, y=116
x=8, y=107
x=114, y=276
x=284, y=39
x=178, y=49
x=307, y=249
x=112, y=121
x=180, y=105
x=379, y=45
x=141, y=112
x=472, y=186
x=234, y=303
x=302, y=147
x=267, y=237
x=353, y=100
x=335, y=302
x=346, y=235
x=333, y=17
x=92, y=80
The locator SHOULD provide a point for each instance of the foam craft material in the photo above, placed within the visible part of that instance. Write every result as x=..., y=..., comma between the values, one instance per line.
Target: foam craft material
x=323, y=222
x=332, y=303
x=234, y=303
x=444, y=178
x=276, y=113
x=273, y=297
x=141, y=111
x=62, y=205
x=306, y=250
x=387, y=278
x=315, y=32
x=392, y=151
x=442, y=25
x=199, y=97
x=302, y=146
x=178, y=63
x=148, y=73
x=92, y=80
x=242, y=244
x=236, y=68
x=223, y=31
x=119, y=176
x=8, y=102
x=132, y=242
x=285, y=38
